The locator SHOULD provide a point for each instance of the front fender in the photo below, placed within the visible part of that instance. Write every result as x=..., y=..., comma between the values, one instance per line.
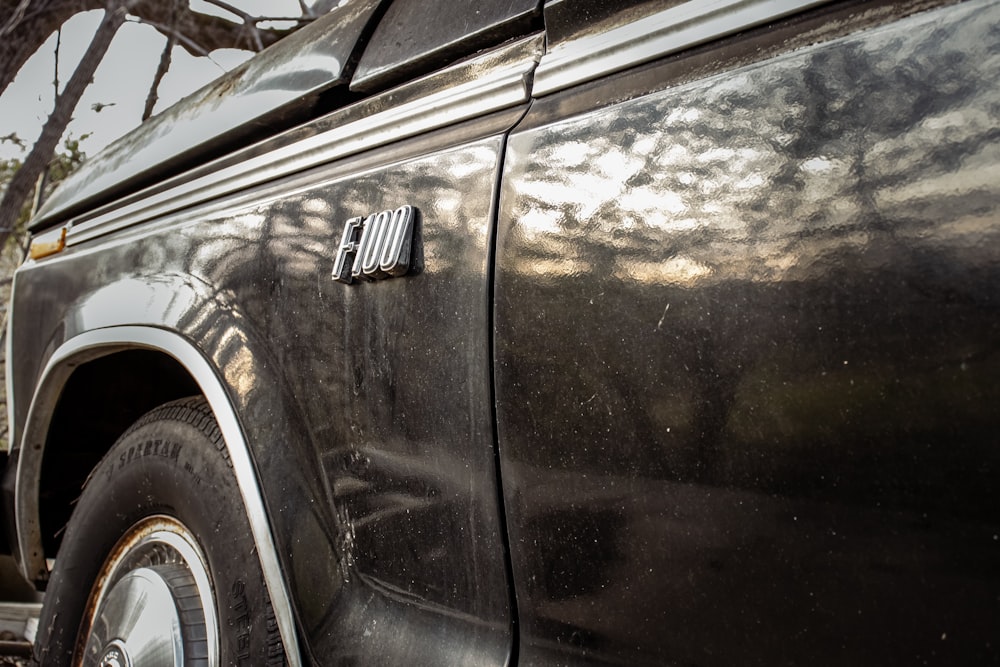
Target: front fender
x=180, y=316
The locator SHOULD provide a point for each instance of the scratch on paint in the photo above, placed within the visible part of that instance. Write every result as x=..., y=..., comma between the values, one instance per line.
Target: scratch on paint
x=659, y=325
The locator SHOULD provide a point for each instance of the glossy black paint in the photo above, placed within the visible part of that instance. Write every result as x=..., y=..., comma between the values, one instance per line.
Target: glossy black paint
x=746, y=356
x=571, y=19
x=418, y=36
x=745, y=351
x=366, y=406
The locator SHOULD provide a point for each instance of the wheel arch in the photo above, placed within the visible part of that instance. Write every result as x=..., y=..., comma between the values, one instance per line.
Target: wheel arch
x=100, y=399
x=125, y=353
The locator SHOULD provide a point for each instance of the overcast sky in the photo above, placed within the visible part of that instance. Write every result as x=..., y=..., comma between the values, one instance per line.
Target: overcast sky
x=123, y=78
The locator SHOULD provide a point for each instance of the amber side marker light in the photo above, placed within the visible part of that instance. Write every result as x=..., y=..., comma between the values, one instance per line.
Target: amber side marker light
x=41, y=249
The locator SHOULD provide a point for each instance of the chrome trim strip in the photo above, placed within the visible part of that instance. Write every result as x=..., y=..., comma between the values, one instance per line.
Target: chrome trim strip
x=8, y=376
x=501, y=86
x=666, y=32
x=97, y=343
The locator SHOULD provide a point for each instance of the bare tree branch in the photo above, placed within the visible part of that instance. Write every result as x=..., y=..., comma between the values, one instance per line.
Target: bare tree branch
x=16, y=17
x=248, y=19
x=55, y=67
x=161, y=70
x=209, y=32
x=232, y=10
x=30, y=22
x=189, y=45
x=41, y=153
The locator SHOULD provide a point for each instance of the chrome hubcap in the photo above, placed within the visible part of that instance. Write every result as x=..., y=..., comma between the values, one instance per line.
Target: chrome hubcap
x=152, y=605
x=116, y=656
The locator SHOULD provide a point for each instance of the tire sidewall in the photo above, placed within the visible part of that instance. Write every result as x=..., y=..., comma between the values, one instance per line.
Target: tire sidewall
x=173, y=462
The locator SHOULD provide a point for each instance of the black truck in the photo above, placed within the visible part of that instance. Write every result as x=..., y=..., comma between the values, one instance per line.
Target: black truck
x=529, y=333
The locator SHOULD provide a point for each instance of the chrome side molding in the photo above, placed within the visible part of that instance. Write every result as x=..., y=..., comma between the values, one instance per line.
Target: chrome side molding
x=494, y=81
x=663, y=33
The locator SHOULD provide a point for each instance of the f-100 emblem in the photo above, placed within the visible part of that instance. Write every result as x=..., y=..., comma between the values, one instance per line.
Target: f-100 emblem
x=383, y=249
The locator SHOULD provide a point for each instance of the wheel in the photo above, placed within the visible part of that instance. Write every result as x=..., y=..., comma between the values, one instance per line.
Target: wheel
x=158, y=566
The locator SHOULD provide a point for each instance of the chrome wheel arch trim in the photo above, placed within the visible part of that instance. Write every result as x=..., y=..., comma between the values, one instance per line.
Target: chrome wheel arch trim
x=668, y=31
x=101, y=342
x=8, y=375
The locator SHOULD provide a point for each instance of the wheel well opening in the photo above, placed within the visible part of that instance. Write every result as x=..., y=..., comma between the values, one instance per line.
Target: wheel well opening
x=99, y=402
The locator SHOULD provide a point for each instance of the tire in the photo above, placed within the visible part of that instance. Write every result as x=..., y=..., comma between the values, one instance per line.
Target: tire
x=159, y=548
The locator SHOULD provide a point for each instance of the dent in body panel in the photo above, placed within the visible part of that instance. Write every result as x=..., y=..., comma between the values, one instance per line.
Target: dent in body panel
x=402, y=423
x=750, y=411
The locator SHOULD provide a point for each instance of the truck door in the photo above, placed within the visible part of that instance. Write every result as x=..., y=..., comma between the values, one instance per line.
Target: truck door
x=746, y=324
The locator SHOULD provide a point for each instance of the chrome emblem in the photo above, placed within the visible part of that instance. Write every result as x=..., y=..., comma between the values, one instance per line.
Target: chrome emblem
x=383, y=249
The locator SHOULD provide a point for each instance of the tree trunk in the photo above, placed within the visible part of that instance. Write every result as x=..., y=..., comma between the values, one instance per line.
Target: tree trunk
x=41, y=153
